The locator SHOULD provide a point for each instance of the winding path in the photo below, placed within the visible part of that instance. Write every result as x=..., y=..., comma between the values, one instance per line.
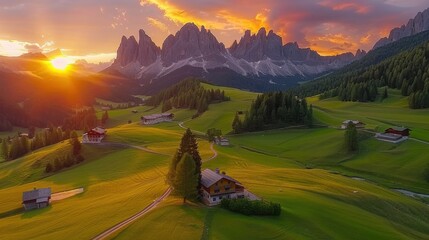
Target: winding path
x=133, y=218
x=155, y=203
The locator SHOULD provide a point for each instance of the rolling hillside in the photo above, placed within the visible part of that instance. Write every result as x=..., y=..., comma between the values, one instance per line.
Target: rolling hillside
x=303, y=169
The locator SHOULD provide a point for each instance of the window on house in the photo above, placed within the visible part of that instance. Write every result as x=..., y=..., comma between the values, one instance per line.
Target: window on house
x=214, y=199
x=220, y=197
x=217, y=190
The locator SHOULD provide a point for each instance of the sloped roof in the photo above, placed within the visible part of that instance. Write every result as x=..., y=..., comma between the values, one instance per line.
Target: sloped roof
x=36, y=194
x=155, y=116
x=210, y=177
x=400, y=128
x=99, y=130
x=353, y=121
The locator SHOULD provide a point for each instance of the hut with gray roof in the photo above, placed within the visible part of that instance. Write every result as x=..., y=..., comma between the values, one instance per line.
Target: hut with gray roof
x=37, y=198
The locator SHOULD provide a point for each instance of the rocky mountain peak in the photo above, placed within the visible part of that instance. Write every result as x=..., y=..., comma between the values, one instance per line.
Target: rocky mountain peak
x=258, y=47
x=188, y=42
x=418, y=24
x=127, y=51
x=148, y=52
x=360, y=54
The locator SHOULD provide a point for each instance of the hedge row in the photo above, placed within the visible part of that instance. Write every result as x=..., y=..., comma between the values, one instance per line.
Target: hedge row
x=247, y=207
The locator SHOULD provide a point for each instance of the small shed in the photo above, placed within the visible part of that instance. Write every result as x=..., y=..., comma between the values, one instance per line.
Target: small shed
x=37, y=198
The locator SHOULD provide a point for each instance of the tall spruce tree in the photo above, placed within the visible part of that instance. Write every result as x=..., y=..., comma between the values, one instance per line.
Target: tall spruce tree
x=237, y=124
x=188, y=145
x=186, y=181
x=76, y=145
x=351, y=138
x=4, y=149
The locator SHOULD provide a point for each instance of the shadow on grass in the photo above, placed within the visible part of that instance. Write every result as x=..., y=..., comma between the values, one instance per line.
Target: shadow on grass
x=11, y=213
x=35, y=212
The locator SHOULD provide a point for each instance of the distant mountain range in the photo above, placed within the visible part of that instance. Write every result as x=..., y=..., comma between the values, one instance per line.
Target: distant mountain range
x=259, y=61
x=418, y=24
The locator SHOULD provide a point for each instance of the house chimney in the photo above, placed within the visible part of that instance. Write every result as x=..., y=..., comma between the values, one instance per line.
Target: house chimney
x=217, y=170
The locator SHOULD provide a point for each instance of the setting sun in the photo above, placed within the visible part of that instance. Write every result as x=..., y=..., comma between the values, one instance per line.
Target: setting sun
x=60, y=63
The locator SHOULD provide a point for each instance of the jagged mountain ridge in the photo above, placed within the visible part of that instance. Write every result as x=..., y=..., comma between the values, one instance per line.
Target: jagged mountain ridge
x=253, y=56
x=418, y=24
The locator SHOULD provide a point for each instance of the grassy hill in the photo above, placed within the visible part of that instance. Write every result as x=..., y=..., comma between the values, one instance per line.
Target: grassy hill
x=300, y=168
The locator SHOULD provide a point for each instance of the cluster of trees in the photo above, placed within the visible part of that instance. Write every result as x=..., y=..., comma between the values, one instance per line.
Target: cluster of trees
x=271, y=110
x=120, y=105
x=349, y=91
x=374, y=57
x=70, y=159
x=351, y=138
x=82, y=120
x=407, y=71
x=104, y=117
x=247, y=207
x=187, y=94
x=21, y=145
x=212, y=133
x=184, y=175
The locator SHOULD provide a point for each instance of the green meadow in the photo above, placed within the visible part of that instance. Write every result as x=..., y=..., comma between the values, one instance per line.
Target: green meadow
x=305, y=170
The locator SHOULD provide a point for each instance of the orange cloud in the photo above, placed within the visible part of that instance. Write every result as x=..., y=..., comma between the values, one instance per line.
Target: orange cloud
x=220, y=19
x=358, y=8
x=158, y=24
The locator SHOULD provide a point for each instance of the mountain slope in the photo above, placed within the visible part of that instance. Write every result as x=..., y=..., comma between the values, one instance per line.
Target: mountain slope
x=418, y=24
x=359, y=67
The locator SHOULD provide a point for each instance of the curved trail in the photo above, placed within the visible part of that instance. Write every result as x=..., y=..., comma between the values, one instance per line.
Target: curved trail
x=133, y=218
x=211, y=145
x=155, y=203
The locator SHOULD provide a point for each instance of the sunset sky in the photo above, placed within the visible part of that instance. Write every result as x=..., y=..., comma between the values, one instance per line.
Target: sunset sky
x=92, y=29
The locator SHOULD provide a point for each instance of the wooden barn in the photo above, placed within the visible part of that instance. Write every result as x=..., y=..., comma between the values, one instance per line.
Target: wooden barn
x=37, y=198
x=399, y=131
x=94, y=135
x=157, y=118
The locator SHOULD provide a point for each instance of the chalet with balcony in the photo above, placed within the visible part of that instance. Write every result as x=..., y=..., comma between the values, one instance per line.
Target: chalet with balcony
x=215, y=186
x=94, y=135
x=37, y=198
x=157, y=118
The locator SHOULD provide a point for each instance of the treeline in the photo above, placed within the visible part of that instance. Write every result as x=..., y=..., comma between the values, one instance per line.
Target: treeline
x=20, y=145
x=247, y=207
x=407, y=71
x=68, y=160
x=373, y=57
x=187, y=94
x=82, y=120
x=272, y=110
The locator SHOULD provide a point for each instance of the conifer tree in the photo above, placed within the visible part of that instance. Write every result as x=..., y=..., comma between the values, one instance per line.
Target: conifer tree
x=236, y=124
x=4, y=149
x=186, y=181
x=76, y=145
x=351, y=138
x=188, y=145
x=104, y=118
